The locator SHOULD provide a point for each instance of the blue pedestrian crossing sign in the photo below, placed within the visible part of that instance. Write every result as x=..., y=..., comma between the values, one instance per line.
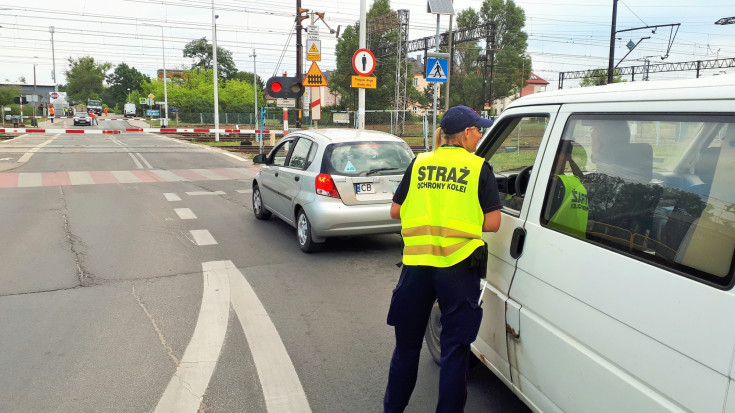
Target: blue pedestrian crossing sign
x=437, y=67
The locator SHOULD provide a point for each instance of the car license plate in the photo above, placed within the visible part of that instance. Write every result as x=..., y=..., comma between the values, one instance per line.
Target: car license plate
x=364, y=189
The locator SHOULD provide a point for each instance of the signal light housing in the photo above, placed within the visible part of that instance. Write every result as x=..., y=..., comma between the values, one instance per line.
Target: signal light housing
x=284, y=87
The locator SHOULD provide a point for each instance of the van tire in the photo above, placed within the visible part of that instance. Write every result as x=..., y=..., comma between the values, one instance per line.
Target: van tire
x=433, y=334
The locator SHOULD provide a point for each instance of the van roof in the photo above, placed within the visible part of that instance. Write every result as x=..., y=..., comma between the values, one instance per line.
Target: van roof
x=709, y=88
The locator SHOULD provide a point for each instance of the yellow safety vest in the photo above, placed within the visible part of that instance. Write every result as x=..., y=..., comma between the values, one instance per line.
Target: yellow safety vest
x=441, y=218
x=572, y=215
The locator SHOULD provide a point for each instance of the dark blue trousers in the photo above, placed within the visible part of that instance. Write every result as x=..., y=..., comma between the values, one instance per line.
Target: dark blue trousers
x=457, y=289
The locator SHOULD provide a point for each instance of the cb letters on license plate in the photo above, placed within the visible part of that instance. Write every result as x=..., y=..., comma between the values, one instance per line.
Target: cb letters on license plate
x=364, y=188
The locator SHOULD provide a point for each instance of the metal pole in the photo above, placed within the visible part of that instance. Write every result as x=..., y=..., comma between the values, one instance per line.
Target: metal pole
x=436, y=85
x=214, y=66
x=255, y=90
x=449, y=66
x=611, y=61
x=361, y=91
x=53, y=58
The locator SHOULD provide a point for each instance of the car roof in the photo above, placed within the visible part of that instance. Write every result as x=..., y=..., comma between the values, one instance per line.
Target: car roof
x=339, y=135
x=720, y=87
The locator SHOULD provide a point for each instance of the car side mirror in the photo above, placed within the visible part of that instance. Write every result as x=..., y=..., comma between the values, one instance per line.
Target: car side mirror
x=259, y=158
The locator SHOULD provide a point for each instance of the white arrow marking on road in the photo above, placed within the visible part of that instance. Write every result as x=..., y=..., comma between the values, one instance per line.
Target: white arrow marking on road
x=188, y=385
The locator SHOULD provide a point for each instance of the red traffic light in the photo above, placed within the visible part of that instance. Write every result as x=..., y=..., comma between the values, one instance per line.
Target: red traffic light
x=284, y=87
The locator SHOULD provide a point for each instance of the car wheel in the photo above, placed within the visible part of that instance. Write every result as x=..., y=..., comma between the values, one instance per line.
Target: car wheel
x=303, y=233
x=258, y=207
x=433, y=334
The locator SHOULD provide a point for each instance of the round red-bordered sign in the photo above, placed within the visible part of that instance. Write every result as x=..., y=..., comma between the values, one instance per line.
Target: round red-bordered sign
x=363, y=61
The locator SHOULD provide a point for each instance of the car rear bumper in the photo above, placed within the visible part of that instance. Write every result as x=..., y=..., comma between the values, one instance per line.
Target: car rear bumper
x=329, y=217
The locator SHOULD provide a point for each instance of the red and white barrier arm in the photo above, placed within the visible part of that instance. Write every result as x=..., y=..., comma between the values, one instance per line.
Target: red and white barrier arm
x=147, y=130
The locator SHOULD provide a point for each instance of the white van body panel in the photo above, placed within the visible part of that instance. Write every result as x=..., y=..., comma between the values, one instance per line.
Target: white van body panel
x=600, y=330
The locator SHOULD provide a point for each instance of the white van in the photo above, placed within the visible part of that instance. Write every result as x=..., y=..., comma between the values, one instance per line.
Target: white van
x=623, y=301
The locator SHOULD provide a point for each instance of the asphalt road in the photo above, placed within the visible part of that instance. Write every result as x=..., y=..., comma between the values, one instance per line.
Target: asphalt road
x=135, y=278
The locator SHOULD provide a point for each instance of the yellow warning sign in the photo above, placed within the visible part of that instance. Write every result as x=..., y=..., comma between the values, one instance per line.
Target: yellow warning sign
x=365, y=82
x=313, y=50
x=314, y=77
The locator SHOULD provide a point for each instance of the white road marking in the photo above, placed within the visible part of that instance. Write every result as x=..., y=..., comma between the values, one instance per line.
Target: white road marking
x=245, y=191
x=80, y=178
x=185, y=213
x=202, y=237
x=142, y=159
x=196, y=193
x=282, y=388
x=170, y=196
x=30, y=153
x=168, y=176
x=186, y=389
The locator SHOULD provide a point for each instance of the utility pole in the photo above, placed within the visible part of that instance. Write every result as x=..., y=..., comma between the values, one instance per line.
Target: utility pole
x=299, y=51
x=255, y=89
x=214, y=67
x=611, y=61
x=53, y=59
x=451, y=57
x=362, y=45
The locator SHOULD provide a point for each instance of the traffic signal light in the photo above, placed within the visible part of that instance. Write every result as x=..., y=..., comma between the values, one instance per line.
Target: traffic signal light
x=284, y=87
x=20, y=100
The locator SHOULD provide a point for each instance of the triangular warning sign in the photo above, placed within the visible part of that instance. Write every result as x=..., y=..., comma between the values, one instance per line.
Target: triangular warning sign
x=314, y=77
x=313, y=48
x=437, y=72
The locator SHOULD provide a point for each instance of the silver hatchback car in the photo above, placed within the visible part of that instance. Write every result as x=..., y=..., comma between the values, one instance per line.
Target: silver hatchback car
x=331, y=182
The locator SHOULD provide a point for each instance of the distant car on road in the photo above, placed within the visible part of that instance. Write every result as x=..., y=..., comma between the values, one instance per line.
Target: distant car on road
x=331, y=182
x=82, y=118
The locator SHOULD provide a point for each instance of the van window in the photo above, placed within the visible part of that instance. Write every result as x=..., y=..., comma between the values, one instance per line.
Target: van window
x=515, y=144
x=660, y=187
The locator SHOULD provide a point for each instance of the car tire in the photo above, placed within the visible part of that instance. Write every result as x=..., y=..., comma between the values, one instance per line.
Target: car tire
x=258, y=205
x=303, y=233
x=433, y=334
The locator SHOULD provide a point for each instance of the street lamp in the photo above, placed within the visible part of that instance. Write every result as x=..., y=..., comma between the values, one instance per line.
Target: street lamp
x=726, y=20
x=165, y=89
x=214, y=67
x=128, y=94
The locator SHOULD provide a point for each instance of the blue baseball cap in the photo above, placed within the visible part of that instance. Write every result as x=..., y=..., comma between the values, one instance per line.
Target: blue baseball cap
x=459, y=118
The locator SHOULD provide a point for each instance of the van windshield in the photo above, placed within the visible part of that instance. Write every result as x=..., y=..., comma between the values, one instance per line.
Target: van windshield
x=368, y=158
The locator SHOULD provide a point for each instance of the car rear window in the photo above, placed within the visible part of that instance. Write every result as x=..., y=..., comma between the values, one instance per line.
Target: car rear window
x=367, y=158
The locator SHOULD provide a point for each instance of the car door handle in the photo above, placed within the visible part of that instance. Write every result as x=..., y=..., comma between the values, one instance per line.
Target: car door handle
x=296, y=178
x=276, y=173
x=516, y=243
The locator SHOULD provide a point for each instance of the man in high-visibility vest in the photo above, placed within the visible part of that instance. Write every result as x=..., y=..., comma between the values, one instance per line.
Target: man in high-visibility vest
x=569, y=205
x=446, y=200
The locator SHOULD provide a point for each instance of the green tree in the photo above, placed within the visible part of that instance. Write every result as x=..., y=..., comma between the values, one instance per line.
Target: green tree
x=598, y=77
x=203, y=55
x=385, y=67
x=120, y=80
x=512, y=65
x=85, y=79
x=8, y=93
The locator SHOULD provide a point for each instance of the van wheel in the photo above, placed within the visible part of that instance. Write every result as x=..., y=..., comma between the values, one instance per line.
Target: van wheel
x=433, y=334
x=303, y=233
x=258, y=206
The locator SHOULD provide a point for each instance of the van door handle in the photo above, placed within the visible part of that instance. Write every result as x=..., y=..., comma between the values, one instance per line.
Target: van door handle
x=296, y=178
x=516, y=243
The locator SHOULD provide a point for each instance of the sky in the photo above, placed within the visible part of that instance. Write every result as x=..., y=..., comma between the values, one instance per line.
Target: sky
x=563, y=35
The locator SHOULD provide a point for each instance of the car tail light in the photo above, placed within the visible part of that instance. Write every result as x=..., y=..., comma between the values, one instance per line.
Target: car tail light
x=325, y=186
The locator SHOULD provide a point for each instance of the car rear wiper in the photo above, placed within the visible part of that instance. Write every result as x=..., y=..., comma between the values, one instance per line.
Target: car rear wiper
x=376, y=170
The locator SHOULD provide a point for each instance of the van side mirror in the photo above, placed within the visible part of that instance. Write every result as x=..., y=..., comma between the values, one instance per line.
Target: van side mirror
x=259, y=158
